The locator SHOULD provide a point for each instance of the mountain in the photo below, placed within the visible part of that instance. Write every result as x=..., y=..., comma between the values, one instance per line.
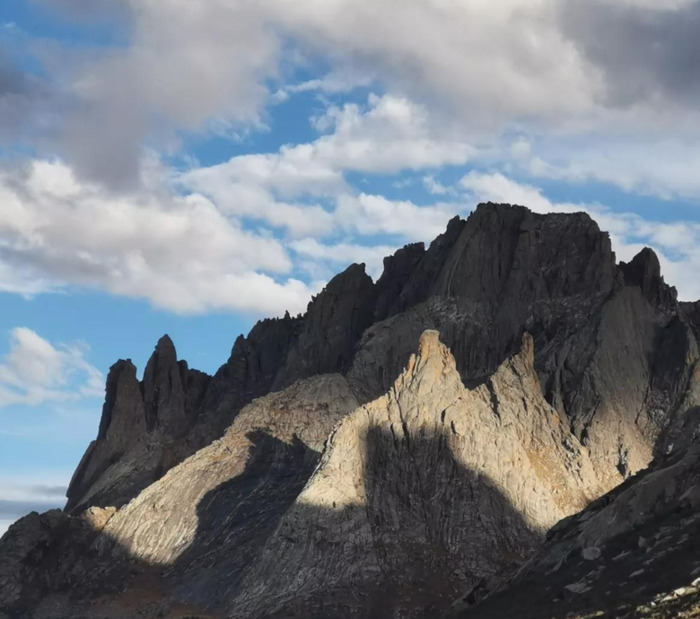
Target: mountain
x=402, y=442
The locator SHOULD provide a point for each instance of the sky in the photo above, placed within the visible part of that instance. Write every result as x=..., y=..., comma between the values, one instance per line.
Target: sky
x=190, y=166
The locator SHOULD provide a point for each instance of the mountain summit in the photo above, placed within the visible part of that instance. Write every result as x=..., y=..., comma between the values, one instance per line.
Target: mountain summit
x=401, y=443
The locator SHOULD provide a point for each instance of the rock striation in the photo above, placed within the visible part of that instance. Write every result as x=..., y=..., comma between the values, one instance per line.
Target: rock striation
x=418, y=494
x=426, y=489
x=631, y=553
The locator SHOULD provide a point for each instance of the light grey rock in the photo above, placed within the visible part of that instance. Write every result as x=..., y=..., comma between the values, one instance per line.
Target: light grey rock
x=591, y=553
x=421, y=493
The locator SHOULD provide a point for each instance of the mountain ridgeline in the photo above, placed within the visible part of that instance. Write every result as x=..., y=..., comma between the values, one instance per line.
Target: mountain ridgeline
x=401, y=443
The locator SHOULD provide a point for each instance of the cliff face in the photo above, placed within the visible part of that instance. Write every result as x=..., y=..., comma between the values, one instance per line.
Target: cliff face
x=632, y=553
x=614, y=350
x=547, y=374
x=141, y=430
x=421, y=492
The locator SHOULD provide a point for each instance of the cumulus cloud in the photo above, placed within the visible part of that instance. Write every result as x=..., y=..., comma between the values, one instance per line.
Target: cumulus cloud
x=665, y=167
x=677, y=244
x=39, y=492
x=458, y=81
x=179, y=252
x=184, y=241
x=476, y=67
x=375, y=214
x=36, y=371
x=176, y=66
x=390, y=135
x=340, y=255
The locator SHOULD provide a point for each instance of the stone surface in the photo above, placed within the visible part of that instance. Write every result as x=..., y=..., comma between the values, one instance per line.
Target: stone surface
x=425, y=490
x=647, y=533
x=439, y=470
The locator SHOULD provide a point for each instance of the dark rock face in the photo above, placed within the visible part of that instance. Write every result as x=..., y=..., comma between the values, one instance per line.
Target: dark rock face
x=42, y=553
x=398, y=269
x=644, y=271
x=122, y=424
x=142, y=423
x=164, y=394
x=249, y=373
x=333, y=324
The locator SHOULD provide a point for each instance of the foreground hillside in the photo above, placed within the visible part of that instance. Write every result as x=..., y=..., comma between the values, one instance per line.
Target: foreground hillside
x=400, y=444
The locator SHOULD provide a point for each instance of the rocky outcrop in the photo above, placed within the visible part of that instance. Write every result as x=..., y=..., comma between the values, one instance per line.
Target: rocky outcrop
x=443, y=468
x=51, y=552
x=605, y=337
x=334, y=322
x=190, y=537
x=260, y=464
x=123, y=424
x=644, y=271
x=141, y=429
x=632, y=553
x=420, y=492
x=398, y=269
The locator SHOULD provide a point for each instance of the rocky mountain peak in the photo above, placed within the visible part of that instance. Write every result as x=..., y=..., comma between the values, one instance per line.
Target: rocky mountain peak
x=424, y=478
x=644, y=271
x=163, y=390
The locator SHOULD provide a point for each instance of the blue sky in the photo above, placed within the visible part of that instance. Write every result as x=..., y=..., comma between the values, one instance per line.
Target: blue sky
x=187, y=167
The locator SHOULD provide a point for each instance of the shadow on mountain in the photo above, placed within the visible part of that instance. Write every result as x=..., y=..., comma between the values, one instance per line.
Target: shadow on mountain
x=644, y=571
x=239, y=515
x=435, y=529
x=430, y=528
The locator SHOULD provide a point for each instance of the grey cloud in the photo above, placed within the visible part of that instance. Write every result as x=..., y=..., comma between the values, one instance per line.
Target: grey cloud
x=17, y=509
x=642, y=52
x=87, y=10
x=49, y=490
x=27, y=101
x=12, y=80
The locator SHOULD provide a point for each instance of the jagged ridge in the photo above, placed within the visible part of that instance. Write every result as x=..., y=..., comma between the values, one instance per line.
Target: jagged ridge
x=602, y=337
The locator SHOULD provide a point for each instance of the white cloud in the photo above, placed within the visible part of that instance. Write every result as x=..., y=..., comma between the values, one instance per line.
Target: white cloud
x=477, y=67
x=394, y=134
x=342, y=254
x=205, y=66
x=374, y=214
x=435, y=187
x=457, y=77
x=391, y=135
x=677, y=244
x=35, y=371
x=179, y=252
x=665, y=167
x=486, y=60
